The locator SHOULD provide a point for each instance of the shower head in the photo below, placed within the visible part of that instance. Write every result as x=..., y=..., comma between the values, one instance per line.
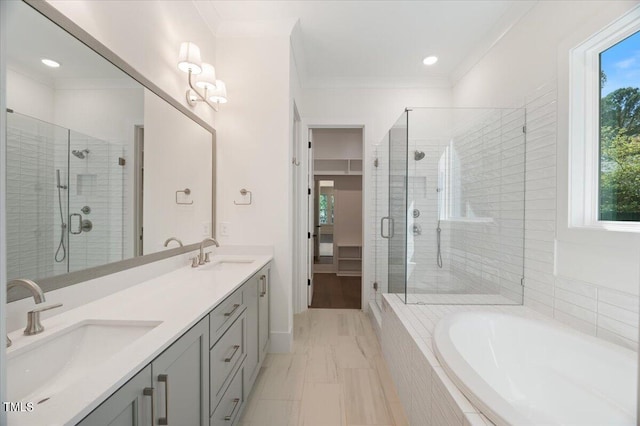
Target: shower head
x=418, y=155
x=80, y=154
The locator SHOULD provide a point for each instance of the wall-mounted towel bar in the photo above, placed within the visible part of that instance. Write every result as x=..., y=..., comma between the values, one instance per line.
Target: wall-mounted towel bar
x=244, y=192
x=185, y=191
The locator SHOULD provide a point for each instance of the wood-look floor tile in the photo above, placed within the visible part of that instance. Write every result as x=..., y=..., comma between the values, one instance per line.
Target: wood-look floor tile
x=322, y=405
x=397, y=413
x=321, y=365
x=274, y=413
x=364, y=399
x=336, y=372
x=284, y=378
x=388, y=387
x=349, y=353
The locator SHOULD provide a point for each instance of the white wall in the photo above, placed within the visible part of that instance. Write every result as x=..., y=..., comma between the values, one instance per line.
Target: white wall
x=30, y=97
x=337, y=143
x=376, y=110
x=589, y=279
x=177, y=155
x=254, y=153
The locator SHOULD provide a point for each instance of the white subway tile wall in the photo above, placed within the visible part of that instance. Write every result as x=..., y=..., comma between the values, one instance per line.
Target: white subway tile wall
x=35, y=152
x=601, y=312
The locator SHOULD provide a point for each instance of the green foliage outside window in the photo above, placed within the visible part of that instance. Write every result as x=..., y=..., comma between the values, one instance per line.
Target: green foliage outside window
x=620, y=140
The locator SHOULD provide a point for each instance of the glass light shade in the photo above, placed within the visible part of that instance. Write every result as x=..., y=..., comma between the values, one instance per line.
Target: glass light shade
x=189, y=58
x=207, y=78
x=220, y=94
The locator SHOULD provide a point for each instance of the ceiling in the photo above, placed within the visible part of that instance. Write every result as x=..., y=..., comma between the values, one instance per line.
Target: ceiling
x=32, y=37
x=377, y=43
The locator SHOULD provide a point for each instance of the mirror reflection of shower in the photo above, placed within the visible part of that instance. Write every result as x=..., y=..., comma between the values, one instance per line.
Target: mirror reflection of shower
x=61, y=251
x=81, y=154
x=50, y=177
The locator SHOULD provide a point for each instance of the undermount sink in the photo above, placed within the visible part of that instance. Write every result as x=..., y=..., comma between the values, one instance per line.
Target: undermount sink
x=226, y=264
x=38, y=371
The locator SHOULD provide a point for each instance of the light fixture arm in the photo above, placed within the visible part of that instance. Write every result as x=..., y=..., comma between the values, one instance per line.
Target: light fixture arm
x=194, y=96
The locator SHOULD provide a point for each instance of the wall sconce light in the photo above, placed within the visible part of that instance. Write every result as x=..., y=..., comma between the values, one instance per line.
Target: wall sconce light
x=214, y=91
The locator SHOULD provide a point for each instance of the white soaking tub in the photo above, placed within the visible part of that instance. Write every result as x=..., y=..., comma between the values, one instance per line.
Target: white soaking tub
x=519, y=371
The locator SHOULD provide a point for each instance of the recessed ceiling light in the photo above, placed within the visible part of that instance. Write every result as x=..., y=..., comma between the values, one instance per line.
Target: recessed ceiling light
x=430, y=60
x=51, y=63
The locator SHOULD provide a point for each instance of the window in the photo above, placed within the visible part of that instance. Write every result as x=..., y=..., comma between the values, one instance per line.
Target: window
x=326, y=209
x=619, y=174
x=604, y=128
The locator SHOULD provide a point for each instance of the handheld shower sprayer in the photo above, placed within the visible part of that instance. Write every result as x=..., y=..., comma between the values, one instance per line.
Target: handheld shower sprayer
x=59, y=186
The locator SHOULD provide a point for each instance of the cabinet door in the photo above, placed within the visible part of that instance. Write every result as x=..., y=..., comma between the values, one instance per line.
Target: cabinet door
x=251, y=362
x=128, y=406
x=263, y=312
x=181, y=379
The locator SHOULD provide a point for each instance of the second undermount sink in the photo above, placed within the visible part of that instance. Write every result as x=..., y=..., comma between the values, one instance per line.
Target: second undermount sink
x=39, y=371
x=226, y=264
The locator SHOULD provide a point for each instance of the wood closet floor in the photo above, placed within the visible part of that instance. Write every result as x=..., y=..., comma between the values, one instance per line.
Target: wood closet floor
x=332, y=291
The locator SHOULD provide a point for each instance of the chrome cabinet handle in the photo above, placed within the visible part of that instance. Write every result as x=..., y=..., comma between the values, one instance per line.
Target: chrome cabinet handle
x=235, y=308
x=152, y=393
x=391, y=227
x=165, y=379
x=233, y=354
x=263, y=279
x=79, y=231
x=228, y=417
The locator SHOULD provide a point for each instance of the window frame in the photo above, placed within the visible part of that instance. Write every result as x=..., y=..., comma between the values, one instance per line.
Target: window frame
x=584, y=125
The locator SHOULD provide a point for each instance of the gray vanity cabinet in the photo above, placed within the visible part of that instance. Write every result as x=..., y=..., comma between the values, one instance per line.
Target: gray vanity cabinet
x=129, y=406
x=181, y=379
x=256, y=297
x=205, y=376
x=263, y=312
x=251, y=362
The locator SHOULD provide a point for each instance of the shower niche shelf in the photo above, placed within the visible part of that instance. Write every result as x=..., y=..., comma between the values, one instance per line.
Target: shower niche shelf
x=341, y=166
x=349, y=260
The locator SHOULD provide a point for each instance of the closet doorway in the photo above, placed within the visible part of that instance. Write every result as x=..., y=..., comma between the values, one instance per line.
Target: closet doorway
x=337, y=218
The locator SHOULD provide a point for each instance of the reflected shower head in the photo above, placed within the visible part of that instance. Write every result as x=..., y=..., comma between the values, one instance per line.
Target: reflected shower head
x=418, y=155
x=80, y=154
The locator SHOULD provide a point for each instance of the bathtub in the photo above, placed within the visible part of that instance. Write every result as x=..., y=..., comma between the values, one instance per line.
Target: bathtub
x=520, y=371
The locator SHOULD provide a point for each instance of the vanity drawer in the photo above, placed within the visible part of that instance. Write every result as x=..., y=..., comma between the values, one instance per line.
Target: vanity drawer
x=228, y=411
x=224, y=357
x=224, y=315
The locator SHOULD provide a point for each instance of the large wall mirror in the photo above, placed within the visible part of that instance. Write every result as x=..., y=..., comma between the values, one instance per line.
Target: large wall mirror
x=100, y=168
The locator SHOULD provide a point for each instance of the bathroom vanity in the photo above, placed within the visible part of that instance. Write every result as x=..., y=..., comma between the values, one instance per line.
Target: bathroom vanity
x=182, y=348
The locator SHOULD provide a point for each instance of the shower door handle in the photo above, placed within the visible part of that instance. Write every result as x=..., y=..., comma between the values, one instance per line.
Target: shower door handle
x=391, y=227
x=79, y=231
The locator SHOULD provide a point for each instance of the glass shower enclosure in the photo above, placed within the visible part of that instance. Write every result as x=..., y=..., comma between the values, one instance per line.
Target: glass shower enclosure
x=450, y=207
x=65, y=199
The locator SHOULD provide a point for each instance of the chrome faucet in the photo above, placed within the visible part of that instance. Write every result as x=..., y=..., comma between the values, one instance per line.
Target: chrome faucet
x=168, y=240
x=202, y=259
x=33, y=316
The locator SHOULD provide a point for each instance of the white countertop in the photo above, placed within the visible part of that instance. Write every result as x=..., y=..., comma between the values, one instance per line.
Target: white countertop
x=178, y=300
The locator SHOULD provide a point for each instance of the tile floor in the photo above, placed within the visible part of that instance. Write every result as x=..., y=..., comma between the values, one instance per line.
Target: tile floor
x=335, y=376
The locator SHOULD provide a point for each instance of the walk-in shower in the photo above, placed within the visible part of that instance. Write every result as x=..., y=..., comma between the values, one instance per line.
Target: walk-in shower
x=51, y=182
x=464, y=171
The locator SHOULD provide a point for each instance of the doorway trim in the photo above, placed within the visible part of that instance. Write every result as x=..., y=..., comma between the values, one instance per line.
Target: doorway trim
x=366, y=124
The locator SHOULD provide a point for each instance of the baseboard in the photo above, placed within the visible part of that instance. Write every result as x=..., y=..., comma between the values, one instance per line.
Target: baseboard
x=281, y=342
